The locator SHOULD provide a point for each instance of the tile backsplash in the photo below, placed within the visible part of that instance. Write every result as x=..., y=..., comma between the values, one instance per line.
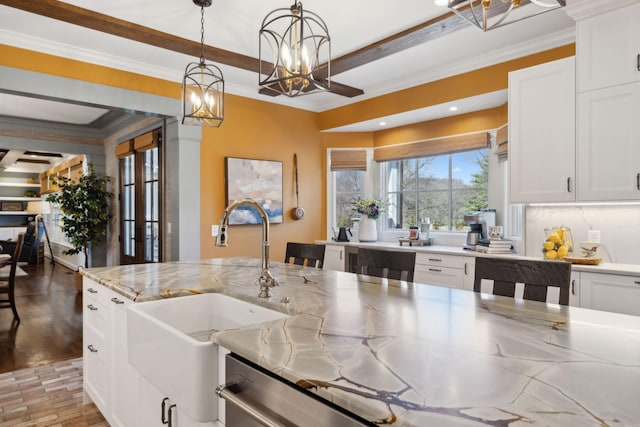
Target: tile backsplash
x=619, y=227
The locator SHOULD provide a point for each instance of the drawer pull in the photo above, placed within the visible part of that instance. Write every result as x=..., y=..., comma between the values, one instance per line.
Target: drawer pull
x=116, y=300
x=437, y=270
x=92, y=349
x=435, y=259
x=637, y=282
x=92, y=291
x=92, y=307
x=247, y=407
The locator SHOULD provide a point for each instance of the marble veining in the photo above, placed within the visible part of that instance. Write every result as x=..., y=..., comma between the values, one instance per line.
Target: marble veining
x=406, y=354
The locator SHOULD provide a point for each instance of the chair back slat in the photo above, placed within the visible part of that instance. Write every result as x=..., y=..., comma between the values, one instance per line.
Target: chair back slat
x=398, y=265
x=536, y=280
x=309, y=254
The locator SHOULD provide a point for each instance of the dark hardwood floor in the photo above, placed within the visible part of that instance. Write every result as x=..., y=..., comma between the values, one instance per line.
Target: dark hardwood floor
x=51, y=312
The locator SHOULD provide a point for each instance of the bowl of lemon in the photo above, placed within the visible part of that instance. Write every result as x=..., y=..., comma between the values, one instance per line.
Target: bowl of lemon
x=558, y=243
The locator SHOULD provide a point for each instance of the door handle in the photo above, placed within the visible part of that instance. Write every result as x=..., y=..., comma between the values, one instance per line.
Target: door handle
x=638, y=62
x=573, y=287
x=638, y=181
x=569, y=184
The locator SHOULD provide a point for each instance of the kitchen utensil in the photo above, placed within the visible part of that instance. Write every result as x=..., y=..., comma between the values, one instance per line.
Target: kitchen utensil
x=297, y=212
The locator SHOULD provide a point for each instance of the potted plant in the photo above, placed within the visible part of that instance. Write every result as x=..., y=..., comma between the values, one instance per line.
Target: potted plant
x=85, y=208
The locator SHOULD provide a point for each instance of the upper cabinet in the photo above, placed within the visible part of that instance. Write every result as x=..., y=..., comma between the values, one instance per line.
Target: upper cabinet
x=608, y=144
x=608, y=49
x=542, y=133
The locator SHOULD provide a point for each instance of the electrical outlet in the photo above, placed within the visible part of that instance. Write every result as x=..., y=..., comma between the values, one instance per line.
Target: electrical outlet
x=593, y=236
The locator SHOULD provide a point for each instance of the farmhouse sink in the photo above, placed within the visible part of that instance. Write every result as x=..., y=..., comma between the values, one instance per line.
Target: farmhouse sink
x=168, y=344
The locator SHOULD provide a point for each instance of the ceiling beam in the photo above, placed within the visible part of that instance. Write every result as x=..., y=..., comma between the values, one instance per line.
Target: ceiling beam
x=414, y=36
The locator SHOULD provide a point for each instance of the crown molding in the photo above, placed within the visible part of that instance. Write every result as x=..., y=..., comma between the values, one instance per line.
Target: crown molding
x=583, y=9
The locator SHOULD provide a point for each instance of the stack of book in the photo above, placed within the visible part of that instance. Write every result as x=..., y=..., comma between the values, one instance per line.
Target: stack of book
x=494, y=246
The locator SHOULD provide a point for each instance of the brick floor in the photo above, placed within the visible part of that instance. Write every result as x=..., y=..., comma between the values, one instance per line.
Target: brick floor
x=46, y=396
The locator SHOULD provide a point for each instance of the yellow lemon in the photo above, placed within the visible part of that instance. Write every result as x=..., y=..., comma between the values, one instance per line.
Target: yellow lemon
x=553, y=237
x=560, y=233
x=563, y=251
x=548, y=246
x=551, y=254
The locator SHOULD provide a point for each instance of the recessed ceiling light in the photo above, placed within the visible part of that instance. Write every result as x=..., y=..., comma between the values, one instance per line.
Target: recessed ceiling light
x=382, y=123
x=441, y=2
x=453, y=108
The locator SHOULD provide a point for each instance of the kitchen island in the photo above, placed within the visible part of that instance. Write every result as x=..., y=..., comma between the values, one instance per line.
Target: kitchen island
x=397, y=353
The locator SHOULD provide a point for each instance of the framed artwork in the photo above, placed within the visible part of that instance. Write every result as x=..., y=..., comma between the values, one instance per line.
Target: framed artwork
x=260, y=180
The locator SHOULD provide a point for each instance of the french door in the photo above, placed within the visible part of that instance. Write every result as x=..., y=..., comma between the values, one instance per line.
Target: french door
x=141, y=200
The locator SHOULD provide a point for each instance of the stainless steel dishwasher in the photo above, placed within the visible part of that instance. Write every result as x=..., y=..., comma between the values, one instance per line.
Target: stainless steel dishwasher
x=255, y=397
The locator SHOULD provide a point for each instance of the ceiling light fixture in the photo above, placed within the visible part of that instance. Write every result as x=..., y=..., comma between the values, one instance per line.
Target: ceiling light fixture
x=294, y=41
x=488, y=14
x=453, y=108
x=202, y=87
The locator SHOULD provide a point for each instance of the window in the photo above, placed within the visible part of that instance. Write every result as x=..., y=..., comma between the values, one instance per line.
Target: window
x=348, y=186
x=441, y=188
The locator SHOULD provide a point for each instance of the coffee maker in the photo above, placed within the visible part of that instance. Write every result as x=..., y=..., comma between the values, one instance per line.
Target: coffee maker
x=478, y=222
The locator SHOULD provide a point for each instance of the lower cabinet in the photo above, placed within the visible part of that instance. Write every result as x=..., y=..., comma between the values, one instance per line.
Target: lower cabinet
x=610, y=292
x=109, y=381
x=451, y=271
x=333, y=257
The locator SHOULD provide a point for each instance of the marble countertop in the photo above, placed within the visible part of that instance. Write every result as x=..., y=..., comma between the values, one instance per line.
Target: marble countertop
x=407, y=354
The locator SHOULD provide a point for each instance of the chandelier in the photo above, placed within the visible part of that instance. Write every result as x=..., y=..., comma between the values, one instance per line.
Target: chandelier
x=293, y=42
x=202, y=87
x=490, y=14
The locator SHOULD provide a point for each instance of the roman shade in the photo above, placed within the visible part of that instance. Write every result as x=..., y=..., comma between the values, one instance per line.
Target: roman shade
x=138, y=144
x=502, y=142
x=124, y=149
x=348, y=160
x=432, y=147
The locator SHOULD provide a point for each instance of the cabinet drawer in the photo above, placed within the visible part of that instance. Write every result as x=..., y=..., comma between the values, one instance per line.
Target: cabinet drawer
x=96, y=314
x=96, y=367
x=439, y=276
x=452, y=261
x=610, y=292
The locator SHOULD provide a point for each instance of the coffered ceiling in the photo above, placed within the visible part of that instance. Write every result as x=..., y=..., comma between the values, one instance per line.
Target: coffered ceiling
x=377, y=46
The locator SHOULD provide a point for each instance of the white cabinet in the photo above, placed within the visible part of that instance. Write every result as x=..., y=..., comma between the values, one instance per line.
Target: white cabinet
x=610, y=292
x=574, y=289
x=608, y=48
x=451, y=271
x=108, y=379
x=542, y=133
x=609, y=144
x=334, y=257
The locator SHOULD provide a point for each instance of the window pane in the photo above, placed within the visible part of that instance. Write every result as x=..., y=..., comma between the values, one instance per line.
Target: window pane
x=470, y=169
x=348, y=187
x=435, y=205
x=409, y=171
x=434, y=173
x=461, y=203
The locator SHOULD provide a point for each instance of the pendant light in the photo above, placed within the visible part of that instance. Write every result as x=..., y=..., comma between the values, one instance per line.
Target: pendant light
x=202, y=87
x=490, y=14
x=293, y=41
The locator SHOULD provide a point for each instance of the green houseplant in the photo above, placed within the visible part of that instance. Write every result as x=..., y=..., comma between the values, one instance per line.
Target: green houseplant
x=85, y=208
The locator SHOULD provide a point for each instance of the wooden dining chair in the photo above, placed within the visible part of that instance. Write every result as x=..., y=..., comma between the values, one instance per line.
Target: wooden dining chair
x=536, y=280
x=397, y=265
x=309, y=254
x=7, y=286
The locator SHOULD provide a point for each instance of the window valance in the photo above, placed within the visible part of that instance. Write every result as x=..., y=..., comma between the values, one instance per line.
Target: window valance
x=432, y=147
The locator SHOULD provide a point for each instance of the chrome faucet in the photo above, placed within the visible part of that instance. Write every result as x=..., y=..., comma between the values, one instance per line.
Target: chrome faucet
x=266, y=280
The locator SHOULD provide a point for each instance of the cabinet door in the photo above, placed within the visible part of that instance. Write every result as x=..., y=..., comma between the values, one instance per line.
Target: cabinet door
x=609, y=144
x=610, y=292
x=124, y=378
x=333, y=258
x=542, y=132
x=574, y=290
x=608, y=49
x=95, y=341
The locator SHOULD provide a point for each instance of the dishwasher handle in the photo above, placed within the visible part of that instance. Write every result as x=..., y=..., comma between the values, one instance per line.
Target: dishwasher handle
x=255, y=413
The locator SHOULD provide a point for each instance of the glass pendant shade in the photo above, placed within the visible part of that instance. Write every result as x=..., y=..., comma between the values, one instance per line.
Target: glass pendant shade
x=490, y=14
x=202, y=95
x=293, y=42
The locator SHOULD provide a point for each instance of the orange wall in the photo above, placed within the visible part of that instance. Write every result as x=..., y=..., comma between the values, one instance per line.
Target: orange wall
x=256, y=130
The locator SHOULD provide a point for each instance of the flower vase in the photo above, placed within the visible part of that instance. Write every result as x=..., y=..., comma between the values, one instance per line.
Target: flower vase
x=367, y=231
